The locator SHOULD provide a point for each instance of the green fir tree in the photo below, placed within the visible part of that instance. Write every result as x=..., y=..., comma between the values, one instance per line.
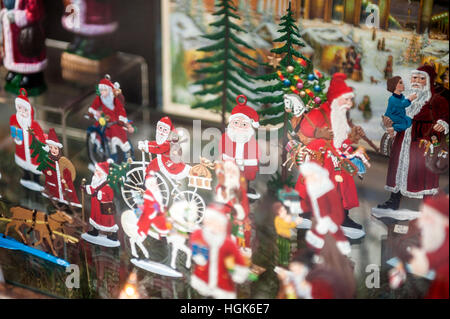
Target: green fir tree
x=226, y=63
x=43, y=159
x=117, y=175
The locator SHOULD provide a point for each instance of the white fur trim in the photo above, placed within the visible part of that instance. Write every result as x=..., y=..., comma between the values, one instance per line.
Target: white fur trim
x=232, y=117
x=314, y=240
x=344, y=247
x=87, y=29
x=8, y=59
x=182, y=175
x=117, y=142
x=251, y=162
x=322, y=226
x=112, y=229
x=99, y=195
x=53, y=143
x=240, y=274
x=239, y=212
x=20, y=18
x=21, y=102
x=205, y=290
x=332, y=227
x=27, y=165
x=444, y=124
x=160, y=231
x=123, y=119
x=347, y=95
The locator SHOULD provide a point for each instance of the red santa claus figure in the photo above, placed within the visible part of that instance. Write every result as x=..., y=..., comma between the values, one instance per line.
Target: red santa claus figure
x=218, y=262
x=434, y=250
x=153, y=219
x=232, y=192
x=89, y=20
x=23, y=127
x=110, y=106
x=170, y=166
x=239, y=144
x=407, y=172
x=24, y=53
x=59, y=178
x=102, y=209
x=326, y=130
x=326, y=207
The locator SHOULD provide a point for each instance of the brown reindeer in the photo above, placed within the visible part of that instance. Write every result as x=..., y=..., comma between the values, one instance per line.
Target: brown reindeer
x=39, y=222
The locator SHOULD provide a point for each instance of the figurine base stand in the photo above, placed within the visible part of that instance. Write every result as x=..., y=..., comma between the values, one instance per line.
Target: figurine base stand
x=402, y=214
x=100, y=240
x=76, y=68
x=156, y=268
x=14, y=87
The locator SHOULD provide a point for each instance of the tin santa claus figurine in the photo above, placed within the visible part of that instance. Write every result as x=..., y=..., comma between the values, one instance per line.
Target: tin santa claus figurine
x=24, y=54
x=239, y=144
x=218, y=262
x=23, y=128
x=102, y=209
x=60, y=175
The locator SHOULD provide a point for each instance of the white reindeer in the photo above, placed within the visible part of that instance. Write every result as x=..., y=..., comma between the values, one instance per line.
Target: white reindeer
x=183, y=216
x=129, y=224
x=294, y=104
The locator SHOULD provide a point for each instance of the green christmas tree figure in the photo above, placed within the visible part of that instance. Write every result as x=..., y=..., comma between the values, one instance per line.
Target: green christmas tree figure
x=117, y=175
x=39, y=149
x=294, y=74
x=226, y=63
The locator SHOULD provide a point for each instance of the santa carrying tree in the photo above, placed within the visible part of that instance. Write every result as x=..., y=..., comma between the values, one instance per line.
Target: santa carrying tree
x=218, y=263
x=153, y=219
x=23, y=128
x=111, y=107
x=239, y=144
x=165, y=135
x=24, y=54
x=102, y=209
x=326, y=130
x=60, y=175
x=408, y=174
x=89, y=20
x=328, y=214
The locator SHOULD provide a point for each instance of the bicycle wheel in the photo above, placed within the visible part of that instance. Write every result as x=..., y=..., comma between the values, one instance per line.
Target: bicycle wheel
x=135, y=182
x=194, y=198
x=96, y=151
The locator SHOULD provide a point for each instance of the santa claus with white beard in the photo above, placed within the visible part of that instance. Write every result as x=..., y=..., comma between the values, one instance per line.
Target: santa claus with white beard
x=111, y=106
x=170, y=166
x=102, y=209
x=22, y=124
x=326, y=129
x=218, y=263
x=407, y=173
x=239, y=144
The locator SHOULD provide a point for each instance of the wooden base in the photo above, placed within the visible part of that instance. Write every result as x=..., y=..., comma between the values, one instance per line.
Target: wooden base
x=80, y=69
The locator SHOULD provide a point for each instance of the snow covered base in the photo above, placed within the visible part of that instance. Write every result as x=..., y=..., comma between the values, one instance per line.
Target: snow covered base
x=101, y=240
x=156, y=268
x=353, y=233
x=31, y=185
x=402, y=214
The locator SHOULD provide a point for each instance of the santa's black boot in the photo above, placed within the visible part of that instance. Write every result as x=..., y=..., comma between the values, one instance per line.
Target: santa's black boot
x=75, y=44
x=36, y=179
x=350, y=223
x=393, y=202
x=93, y=232
x=112, y=236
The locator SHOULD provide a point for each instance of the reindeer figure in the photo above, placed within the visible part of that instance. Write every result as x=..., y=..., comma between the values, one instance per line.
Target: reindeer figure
x=41, y=223
x=294, y=104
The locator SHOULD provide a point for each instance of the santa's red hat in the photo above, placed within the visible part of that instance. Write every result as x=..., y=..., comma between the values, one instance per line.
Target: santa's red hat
x=166, y=121
x=439, y=203
x=338, y=87
x=22, y=100
x=104, y=166
x=106, y=83
x=217, y=211
x=242, y=109
x=52, y=139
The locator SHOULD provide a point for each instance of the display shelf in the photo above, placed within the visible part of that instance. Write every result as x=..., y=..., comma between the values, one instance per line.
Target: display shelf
x=64, y=98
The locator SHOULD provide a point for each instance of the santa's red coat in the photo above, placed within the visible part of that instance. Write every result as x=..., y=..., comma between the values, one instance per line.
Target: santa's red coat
x=439, y=262
x=412, y=178
x=23, y=152
x=62, y=192
x=26, y=13
x=347, y=189
x=213, y=278
x=98, y=219
x=328, y=215
x=163, y=163
x=245, y=155
x=152, y=217
x=117, y=133
x=94, y=17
